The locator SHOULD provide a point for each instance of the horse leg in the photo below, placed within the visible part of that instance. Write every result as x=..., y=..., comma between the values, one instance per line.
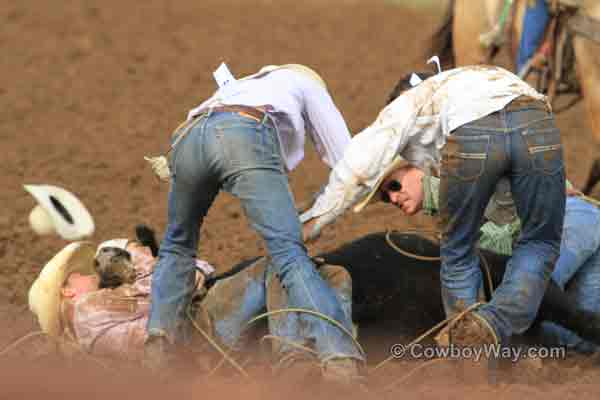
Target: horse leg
x=587, y=54
x=470, y=21
x=593, y=177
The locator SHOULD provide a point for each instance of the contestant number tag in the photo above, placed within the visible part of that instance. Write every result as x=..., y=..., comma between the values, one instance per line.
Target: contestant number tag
x=223, y=76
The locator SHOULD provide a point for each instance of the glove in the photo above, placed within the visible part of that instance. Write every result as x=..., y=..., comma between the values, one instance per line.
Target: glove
x=160, y=167
x=306, y=205
x=328, y=207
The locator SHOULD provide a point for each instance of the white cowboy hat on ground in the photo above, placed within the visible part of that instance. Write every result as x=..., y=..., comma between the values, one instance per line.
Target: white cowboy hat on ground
x=59, y=211
x=45, y=292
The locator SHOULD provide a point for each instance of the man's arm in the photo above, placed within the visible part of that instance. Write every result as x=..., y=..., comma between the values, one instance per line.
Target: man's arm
x=328, y=130
x=364, y=161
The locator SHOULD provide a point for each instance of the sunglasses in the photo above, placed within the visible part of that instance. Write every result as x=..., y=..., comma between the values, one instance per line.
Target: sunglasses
x=392, y=186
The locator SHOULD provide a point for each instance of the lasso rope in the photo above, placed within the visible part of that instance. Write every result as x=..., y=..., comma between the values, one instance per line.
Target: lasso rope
x=588, y=199
x=486, y=268
x=406, y=253
x=30, y=335
x=311, y=312
x=405, y=377
x=289, y=343
x=450, y=320
x=217, y=347
x=20, y=340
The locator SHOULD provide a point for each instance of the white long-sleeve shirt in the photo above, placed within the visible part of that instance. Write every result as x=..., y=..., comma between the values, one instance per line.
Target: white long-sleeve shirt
x=300, y=105
x=415, y=126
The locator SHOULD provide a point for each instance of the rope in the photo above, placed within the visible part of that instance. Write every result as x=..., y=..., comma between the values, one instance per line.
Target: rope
x=450, y=320
x=389, y=241
x=288, y=342
x=20, y=340
x=214, y=370
x=411, y=373
x=87, y=355
x=23, y=339
x=217, y=347
x=486, y=268
x=312, y=312
x=589, y=199
x=406, y=253
x=505, y=13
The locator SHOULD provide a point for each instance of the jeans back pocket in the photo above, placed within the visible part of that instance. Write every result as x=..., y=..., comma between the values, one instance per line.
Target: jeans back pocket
x=545, y=150
x=247, y=144
x=464, y=157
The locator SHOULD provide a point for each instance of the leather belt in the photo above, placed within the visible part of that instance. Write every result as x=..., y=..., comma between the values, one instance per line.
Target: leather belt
x=526, y=102
x=255, y=113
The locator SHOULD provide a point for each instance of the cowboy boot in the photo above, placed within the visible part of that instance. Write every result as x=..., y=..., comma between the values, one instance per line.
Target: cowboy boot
x=471, y=330
x=158, y=357
x=297, y=367
x=345, y=371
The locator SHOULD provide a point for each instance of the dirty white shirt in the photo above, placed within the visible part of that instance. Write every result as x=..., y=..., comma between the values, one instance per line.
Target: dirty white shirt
x=415, y=126
x=300, y=106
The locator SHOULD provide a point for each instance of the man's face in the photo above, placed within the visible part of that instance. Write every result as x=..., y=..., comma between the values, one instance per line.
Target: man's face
x=78, y=284
x=404, y=188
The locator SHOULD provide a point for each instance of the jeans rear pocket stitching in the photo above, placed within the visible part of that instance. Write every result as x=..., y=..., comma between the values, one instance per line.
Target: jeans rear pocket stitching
x=539, y=149
x=535, y=151
x=471, y=156
x=482, y=157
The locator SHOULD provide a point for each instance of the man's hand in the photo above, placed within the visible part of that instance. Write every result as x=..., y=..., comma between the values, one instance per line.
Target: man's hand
x=308, y=231
x=571, y=191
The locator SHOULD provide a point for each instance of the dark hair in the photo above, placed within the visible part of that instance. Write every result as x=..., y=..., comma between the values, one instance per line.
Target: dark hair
x=404, y=84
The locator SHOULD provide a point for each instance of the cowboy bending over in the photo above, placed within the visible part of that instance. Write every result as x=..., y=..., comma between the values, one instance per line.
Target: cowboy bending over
x=471, y=126
x=244, y=140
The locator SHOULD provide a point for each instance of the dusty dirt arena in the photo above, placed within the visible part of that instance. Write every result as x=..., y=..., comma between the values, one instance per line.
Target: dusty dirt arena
x=87, y=88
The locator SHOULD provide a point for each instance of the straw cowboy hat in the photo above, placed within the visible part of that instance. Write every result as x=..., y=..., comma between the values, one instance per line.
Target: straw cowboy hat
x=59, y=211
x=397, y=163
x=45, y=293
x=303, y=69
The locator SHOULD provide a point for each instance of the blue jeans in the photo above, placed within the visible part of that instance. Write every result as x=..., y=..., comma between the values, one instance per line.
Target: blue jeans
x=534, y=27
x=577, y=270
x=231, y=303
x=522, y=144
x=241, y=156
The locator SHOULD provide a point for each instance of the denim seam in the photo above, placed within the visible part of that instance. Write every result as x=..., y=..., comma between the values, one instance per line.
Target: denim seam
x=483, y=128
x=309, y=296
x=527, y=124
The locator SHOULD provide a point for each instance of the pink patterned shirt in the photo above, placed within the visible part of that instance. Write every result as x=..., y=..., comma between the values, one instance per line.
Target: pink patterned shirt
x=112, y=322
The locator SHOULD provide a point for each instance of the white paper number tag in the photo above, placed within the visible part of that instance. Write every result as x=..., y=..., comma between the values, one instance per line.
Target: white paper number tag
x=223, y=76
x=436, y=60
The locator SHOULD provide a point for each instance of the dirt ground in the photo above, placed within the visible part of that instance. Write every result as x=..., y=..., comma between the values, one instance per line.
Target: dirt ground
x=87, y=88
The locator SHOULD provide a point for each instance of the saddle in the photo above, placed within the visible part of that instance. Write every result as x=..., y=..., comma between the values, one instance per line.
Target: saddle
x=554, y=61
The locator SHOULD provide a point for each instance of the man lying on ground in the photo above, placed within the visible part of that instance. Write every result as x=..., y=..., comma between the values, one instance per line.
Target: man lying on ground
x=90, y=297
